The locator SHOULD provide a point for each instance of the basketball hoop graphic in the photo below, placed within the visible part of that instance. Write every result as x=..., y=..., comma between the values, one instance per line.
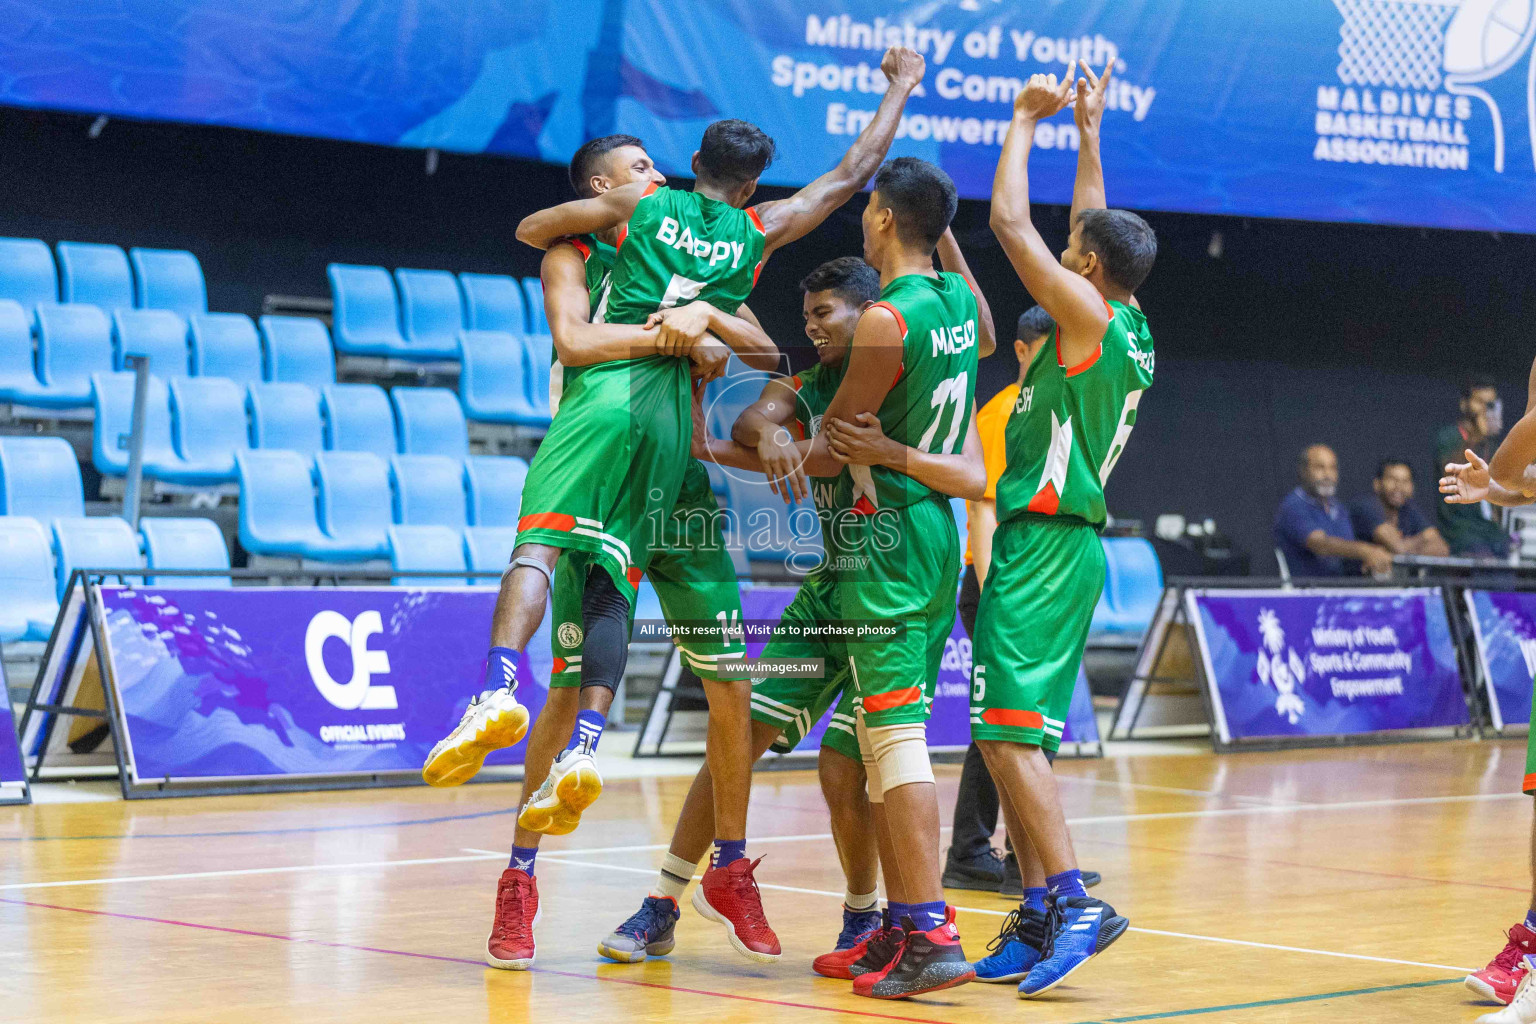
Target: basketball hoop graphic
x=1422, y=44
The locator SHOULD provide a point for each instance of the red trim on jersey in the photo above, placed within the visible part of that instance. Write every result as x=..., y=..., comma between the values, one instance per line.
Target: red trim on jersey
x=863, y=507
x=894, y=699
x=633, y=574
x=581, y=247
x=623, y=236
x=899, y=371
x=547, y=521
x=1086, y=364
x=795, y=382
x=652, y=187
x=1530, y=783
x=900, y=320
x=756, y=271
x=559, y=666
x=1046, y=502
x=1007, y=716
x=751, y=211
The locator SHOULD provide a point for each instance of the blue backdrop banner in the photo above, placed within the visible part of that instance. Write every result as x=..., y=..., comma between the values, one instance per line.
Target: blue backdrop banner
x=1318, y=663
x=13, y=778
x=1394, y=111
x=1505, y=625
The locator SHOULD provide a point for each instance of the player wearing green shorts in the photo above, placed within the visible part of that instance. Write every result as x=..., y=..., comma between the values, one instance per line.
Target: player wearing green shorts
x=1070, y=423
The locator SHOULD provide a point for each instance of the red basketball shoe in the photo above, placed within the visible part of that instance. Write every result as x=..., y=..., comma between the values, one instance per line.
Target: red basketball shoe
x=729, y=896
x=510, y=945
x=1503, y=974
x=871, y=953
x=926, y=962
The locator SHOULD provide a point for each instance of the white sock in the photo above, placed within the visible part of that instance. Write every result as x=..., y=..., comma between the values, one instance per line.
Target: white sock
x=860, y=902
x=675, y=875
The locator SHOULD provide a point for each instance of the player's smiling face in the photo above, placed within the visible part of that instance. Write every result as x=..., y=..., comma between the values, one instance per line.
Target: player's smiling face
x=629, y=164
x=829, y=322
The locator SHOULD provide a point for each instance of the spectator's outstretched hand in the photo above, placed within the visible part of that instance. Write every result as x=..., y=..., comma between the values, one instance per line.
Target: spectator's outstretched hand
x=1465, y=483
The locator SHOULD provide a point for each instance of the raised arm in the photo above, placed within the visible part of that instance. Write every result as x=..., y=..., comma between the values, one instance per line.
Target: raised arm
x=862, y=443
x=684, y=327
x=568, y=304
x=953, y=260
x=582, y=216
x=1088, y=112
x=788, y=219
x=1077, y=307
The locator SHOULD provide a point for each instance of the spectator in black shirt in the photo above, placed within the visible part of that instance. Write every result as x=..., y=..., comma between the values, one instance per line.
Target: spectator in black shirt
x=1388, y=516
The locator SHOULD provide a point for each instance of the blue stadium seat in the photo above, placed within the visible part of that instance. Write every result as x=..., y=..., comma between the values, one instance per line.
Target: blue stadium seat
x=225, y=345
x=168, y=279
x=489, y=549
x=18, y=362
x=27, y=273
x=208, y=424
x=355, y=503
x=366, y=317
x=431, y=312
x=426, y=549
x=429, y=421
x=493, y=379
x=97, y=542
x=358, y=418
x=73, y=343
x=494, y=484
x=26, y=573
x=95, y=274
x=157, y=333
x=538, y=360
x=1133, y=587
x=428, y=490
x=39, y=477
x=297, y=349
x=112, y=395
x=277, y=504
x=493, y=302
x=185, y=544
x=285, y=416
x=533, y=302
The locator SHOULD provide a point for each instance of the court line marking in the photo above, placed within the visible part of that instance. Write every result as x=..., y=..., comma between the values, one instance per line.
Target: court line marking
x=1005, y=913
x=358, y=826
x=1273, y=1002
x=1257, y=801
x=234, y=872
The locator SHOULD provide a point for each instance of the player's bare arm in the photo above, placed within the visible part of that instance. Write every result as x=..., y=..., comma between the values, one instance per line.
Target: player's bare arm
x=1088, y=112
x=1075, y=304
x=763, y=429
x=568, y=304
x=953, y=260
x=962, y=474
x=1509, y=479
x=874, y=360
x=582, y=216
x=785, y=220
x=684, y=327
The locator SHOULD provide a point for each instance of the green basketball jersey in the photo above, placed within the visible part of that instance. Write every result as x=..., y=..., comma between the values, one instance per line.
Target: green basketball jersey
x=929, y=404
x=1070, y=423
x=678, y=247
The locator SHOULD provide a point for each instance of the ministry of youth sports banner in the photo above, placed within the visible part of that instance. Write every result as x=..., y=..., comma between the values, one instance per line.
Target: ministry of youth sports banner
x=1504, y=623
x=1320, y=663
x=1396, y=111
x=256, y=682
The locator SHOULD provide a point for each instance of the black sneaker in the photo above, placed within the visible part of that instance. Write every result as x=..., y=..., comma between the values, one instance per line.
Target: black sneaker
x=926, y=962
x=983, y=872
x=880, y=949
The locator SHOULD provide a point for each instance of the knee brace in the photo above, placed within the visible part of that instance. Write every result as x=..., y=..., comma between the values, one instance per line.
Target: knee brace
x=867, y=756
x=901, y=754
x=605, y=621
x=529, y=562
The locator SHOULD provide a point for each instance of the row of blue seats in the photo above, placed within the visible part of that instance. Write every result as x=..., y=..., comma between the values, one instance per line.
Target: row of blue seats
x=419, y=314
x=1133, y=587
x=339, y=506
x=101, y=275
x=48, y=361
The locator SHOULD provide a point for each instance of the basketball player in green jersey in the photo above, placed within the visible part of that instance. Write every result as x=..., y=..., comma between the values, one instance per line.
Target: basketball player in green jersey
x=1074, y=412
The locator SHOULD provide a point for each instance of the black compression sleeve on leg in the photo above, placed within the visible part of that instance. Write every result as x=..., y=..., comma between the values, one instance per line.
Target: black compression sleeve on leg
x=605, y=620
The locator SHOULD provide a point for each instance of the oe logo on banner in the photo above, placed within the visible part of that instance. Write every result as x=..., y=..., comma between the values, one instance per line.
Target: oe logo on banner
x=357, y=692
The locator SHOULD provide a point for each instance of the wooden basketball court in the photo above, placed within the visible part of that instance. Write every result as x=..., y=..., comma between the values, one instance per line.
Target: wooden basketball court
x=1351, y=885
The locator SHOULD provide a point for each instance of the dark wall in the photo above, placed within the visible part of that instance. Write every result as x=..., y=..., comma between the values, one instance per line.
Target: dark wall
x=1351, y=335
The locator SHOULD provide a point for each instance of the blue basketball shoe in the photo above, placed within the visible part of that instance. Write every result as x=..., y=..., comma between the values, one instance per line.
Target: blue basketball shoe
x=856, y=925
x=1078, y=929
x=648, y=932
x=1016, y=948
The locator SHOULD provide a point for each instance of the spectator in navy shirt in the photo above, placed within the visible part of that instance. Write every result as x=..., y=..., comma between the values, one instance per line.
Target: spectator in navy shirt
x=1312, y=529
x=1389, y=518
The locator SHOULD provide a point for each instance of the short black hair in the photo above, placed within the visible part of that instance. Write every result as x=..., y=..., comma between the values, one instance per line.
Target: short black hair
x=1034, y=323
x=1124, y=242
x=850, y=277
x=735, y=152
x=1386, y=464
x=584, y=162
x=1477, y=382
x=922, y=197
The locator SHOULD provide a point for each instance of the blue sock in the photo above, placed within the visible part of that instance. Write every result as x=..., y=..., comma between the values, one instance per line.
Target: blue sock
x=1530, y=920
x=1066, y=885
x=501, y=669
x=897, y=912
x=927, y=916
x=1034, y=898
x=589, y=729
x=522, y=858
x=728, y=851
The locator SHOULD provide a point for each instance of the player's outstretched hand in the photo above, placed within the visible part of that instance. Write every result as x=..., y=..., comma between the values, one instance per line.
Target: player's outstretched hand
x=782, y=465
x=1465, y=483
x=1043, y=96
x=862, y=442
x=903, y=66
x=1088, y=111
x=682, y=327
x=710, y=356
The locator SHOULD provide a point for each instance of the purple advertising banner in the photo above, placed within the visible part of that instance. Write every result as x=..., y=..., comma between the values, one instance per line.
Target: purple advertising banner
x=1504, y=623
x=13, y=777
x=1315, y=663
x=260, y=682
x=949, y=724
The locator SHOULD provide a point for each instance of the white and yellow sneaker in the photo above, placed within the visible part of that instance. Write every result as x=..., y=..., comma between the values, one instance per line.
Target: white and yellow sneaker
x=1521, y=1009
x=573, y=785
x=492, y=721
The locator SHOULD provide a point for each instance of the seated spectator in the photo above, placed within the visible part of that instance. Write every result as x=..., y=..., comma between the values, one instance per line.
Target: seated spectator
x=1390, y=518
x=1312, y=530
x=1472, y=529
